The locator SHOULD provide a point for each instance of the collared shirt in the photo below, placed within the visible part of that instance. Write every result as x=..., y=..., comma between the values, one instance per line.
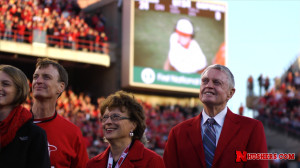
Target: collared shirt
x=219, y=118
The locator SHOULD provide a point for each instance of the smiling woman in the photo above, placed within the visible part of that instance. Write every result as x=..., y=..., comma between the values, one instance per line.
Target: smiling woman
x=123, y=122
x=22, y=144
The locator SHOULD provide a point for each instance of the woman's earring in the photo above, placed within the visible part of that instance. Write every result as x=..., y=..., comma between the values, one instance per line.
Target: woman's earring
x=131, y=133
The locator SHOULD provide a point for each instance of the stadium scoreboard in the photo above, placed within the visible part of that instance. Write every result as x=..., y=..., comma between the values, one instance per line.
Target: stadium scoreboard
x=147, y=26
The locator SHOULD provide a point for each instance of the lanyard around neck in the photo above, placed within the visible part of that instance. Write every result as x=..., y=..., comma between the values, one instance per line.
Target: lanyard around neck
x=120, y=161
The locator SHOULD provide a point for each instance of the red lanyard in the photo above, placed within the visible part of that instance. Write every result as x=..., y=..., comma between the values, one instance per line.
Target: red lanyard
x=120, y=161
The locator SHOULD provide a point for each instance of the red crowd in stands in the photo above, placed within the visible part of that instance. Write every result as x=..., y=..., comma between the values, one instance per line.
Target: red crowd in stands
x=80, y=110
x=281, y=105
x=65, y=25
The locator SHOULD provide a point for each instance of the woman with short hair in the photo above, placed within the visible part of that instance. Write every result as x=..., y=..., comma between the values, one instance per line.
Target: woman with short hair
x=123, y=123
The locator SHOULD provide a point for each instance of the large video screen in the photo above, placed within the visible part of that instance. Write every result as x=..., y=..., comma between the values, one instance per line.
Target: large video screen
x=168, y=43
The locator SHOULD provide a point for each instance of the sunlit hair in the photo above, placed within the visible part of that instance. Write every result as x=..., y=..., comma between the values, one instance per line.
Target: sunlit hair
x=45, y=62
x=224, y=69
x=20, y=81
x=126, y=102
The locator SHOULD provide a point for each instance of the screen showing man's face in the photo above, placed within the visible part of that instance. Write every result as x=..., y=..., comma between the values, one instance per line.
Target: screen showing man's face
x=184, y=40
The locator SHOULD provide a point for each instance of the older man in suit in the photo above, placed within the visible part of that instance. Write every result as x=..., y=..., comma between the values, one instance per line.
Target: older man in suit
x=212, y=138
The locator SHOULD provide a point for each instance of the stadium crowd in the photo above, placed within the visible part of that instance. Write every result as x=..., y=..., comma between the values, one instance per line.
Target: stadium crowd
x=80, y=110
x=64, y=23
x=280, y=106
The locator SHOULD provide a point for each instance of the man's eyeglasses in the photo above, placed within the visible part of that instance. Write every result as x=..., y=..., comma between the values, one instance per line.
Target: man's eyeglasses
x=114, y=117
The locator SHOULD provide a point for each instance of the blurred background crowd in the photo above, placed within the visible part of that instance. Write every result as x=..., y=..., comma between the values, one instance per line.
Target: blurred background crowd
x=280, y=105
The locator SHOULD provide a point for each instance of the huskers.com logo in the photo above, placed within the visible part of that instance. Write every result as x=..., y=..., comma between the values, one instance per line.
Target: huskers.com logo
x=243, y=156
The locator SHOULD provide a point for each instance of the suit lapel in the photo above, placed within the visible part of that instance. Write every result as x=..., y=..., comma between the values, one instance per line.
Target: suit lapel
x=103, y=158
x=136, y=153
x=229, y=130
x=127, y=163
x=194, y=134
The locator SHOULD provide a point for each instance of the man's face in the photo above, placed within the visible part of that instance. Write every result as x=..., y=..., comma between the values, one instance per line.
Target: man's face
x=184, y=40
x=46, y=83
x=214, y=89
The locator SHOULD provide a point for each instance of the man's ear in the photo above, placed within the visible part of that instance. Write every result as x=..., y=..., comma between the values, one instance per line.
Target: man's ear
x=61, y=87
x=231, y=93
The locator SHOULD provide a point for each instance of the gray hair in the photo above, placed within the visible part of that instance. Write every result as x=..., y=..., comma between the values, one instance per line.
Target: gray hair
x=224, y=69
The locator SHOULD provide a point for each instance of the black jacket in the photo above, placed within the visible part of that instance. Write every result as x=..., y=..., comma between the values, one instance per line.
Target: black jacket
x=29, y=149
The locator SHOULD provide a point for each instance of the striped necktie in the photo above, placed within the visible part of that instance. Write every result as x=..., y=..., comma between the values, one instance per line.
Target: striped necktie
x=209, y=142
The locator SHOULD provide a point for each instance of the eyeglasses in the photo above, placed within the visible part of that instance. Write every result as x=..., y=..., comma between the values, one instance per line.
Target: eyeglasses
x=114, y=117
